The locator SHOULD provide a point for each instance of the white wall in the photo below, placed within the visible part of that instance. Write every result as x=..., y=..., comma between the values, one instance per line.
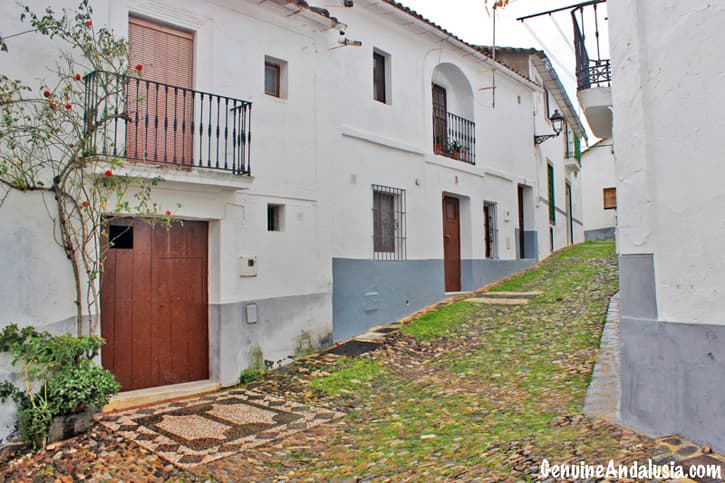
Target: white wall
x=598, y=173
x=668, y=127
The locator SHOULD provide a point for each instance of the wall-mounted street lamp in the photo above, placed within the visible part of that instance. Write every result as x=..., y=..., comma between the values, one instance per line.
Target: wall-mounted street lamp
x=557, y=122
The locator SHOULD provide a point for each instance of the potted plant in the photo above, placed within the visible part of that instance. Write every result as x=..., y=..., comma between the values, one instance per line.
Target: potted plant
x=455, y=148
x=438, y=144
x=62, y=386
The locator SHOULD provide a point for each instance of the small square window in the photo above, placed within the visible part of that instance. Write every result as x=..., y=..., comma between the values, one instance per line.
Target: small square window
x=275, y=217
x=275, y=77
x=610, y=198
x=120, y=237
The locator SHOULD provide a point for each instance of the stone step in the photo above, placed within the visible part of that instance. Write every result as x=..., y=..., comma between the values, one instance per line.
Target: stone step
x=497, y=301
x=153, y=395
x=512, y=295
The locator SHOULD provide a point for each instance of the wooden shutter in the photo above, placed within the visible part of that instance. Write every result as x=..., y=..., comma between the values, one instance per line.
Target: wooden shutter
x=166, y=55
x=440, y=120
x=610, y=198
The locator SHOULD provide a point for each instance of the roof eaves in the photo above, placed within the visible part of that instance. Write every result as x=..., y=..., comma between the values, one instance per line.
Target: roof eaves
x=318, y=14
x=553, y=84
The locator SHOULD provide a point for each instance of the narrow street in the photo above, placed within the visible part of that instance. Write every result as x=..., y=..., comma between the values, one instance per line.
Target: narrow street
x=467, y=390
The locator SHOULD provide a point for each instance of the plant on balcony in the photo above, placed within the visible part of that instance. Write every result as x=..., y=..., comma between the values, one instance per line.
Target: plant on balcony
x=455, y=149
x=61, y=385
x=438, y=144
x=47, y=147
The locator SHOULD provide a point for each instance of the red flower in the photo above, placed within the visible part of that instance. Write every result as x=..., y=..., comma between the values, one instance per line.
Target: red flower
x=78, y=77
x=85, y=204
x=108, y=173
x=89, y=23
x=52, y=104
x=139, y=67
x=68, y=106
x=168, y=212
x=46, y=93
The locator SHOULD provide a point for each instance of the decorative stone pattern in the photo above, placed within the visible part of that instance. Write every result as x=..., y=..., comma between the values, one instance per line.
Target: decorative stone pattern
x=602, y=399
x=686, y=454
x=197, y=431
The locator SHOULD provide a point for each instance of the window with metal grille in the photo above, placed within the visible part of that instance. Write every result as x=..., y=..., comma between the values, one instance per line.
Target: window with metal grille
x=610, y=198
x=388, y=223
x=380, y=76
x=552, y=202
x=490, y=229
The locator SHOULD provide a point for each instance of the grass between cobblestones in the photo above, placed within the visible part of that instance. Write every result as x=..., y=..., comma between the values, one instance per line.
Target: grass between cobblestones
x=475, y=390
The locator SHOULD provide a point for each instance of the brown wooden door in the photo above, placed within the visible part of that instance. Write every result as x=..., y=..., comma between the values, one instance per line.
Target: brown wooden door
x=452, y=244
x=160, y=114
x=522, y=227
x=154, y=303
x=440, y=121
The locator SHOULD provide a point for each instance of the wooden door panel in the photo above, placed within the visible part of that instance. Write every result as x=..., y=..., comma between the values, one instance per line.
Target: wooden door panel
x=451, y=244
x=154, y=306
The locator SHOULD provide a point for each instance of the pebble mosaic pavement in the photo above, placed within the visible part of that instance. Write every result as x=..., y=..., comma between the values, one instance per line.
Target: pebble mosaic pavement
x=197, y=431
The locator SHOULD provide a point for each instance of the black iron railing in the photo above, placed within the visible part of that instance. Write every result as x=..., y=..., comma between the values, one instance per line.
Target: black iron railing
x=597, y=74
x=454, y=136
x=153, y=122
x=589, y=73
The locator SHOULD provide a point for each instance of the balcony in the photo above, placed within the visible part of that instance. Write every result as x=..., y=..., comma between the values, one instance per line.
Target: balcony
x=454, y=136
x=156, y=123
x=594, y=79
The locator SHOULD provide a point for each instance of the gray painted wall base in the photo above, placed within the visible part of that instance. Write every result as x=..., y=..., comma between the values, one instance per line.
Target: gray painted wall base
x=531, y=244
x=286, y=327
x=671, y=373
x=367, y=293
x=600, y=234
x=672, y=380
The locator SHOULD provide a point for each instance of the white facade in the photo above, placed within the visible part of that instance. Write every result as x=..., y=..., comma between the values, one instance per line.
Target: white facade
x=598, y=175
x=668, y=126
x=318, y=151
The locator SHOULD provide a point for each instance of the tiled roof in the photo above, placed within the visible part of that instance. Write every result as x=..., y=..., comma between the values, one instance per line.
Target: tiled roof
x=420, y=17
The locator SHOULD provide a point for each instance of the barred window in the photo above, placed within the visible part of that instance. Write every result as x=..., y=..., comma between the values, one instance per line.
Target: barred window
x=490, y=229
x=388, y=223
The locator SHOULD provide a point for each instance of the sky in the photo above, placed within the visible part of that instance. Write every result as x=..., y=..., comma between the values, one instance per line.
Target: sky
x=473, y=22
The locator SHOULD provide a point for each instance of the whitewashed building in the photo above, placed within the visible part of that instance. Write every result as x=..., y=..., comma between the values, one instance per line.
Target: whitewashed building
x=381, y=173
x=663, y=110
x=599, y=191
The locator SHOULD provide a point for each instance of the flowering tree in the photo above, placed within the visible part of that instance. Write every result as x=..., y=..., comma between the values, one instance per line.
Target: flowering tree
x=47, y=138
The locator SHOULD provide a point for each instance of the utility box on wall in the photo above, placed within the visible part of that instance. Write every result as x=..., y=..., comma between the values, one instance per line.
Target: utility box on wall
x=247, y=266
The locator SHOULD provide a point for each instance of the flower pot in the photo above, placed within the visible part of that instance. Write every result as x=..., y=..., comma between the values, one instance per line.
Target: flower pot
x=69, y=425
x=438, y=148
x=456, y=155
